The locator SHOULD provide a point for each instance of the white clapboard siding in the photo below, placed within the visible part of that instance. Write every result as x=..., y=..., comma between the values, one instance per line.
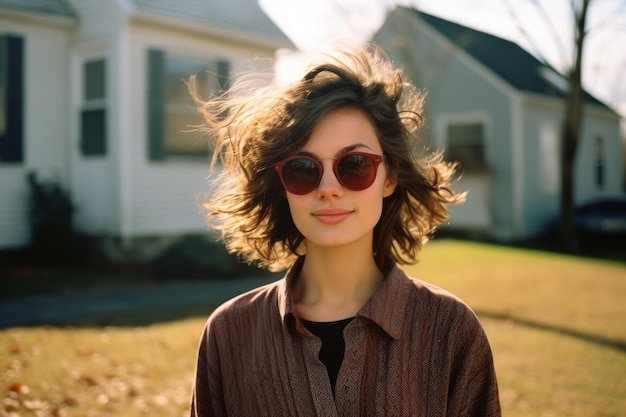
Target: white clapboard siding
x=46, y=44
x=164, y=195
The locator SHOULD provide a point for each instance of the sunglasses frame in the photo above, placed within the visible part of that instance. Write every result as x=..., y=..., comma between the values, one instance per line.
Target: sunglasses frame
x=376, y=159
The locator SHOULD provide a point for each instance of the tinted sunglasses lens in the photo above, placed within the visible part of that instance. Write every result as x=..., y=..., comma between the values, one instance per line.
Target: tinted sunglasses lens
x=300, y=175
x=356, y=172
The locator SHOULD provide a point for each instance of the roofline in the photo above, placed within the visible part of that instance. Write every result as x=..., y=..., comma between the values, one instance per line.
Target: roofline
x=588, y=97
x=481, y=69
x=235, y=35
x=64, y=22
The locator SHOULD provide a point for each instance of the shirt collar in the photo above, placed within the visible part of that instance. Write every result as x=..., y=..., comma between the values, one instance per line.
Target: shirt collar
x=285, y=299
x=385, y=307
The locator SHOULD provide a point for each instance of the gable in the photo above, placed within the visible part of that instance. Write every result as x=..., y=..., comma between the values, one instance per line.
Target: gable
x=505, y=58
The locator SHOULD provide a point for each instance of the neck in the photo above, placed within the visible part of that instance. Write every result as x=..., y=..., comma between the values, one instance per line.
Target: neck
x=335, y=283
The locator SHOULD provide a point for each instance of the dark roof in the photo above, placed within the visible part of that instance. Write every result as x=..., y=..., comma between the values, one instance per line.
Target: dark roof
x=506, y=59
x=51, y=7
x=244, y=16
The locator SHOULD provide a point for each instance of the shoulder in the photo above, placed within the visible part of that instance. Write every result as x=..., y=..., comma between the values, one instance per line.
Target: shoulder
x=406, y=306
x=424, y=289
x=250, y=300
x=421, y=291
x=258, y=302
x=441, y=305
x=449, y=321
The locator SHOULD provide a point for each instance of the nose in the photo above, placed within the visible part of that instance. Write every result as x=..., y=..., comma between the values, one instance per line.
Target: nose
x=329, y=184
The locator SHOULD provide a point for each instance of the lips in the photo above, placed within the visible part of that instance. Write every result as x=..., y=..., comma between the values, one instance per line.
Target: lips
x=331, y=215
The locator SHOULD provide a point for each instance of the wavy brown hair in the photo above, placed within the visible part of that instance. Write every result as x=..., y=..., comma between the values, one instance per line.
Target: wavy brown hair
x=254, y=128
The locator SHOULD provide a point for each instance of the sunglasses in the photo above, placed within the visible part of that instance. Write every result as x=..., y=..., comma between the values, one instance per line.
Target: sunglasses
x=301, y=174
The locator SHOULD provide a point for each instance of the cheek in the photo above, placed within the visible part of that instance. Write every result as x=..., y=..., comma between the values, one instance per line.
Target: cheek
x=370, y=202
x=376, y=208
x=297, y=208
x=376, y=198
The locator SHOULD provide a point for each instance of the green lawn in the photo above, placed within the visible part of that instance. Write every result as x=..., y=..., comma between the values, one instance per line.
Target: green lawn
x=557, y=326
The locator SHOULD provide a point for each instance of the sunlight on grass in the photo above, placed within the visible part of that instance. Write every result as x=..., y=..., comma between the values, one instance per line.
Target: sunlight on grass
x=555, y=290
x=546, y=374
x=123, y=372
x=559, y=340
x=556, y=325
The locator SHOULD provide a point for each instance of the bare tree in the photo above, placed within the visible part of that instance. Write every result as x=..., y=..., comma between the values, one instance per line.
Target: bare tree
x=573, y=109
x=571, y=125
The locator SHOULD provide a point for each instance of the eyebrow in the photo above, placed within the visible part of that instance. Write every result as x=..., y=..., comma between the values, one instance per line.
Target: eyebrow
x=341, y=151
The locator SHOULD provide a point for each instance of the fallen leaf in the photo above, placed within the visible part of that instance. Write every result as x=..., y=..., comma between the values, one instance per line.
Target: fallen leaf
x=18, y=388
x=69, y=401
x=59, y=412
x=10, y=404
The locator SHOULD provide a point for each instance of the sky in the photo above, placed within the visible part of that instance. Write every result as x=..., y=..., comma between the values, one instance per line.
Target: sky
x=315, y=24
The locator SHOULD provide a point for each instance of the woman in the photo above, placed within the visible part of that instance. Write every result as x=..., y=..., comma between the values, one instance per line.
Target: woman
x=322, y=177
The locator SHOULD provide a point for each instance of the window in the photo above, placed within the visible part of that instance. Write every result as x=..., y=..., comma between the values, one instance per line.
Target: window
x=172, y=114
x=466, y=145
x=93, y=114
x=11, y=99
x=599, y=156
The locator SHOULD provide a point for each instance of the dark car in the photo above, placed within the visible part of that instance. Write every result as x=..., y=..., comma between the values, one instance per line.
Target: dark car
x=606, y=217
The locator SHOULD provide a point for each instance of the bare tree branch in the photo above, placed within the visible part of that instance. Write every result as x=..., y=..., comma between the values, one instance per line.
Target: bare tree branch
x=537, y=51
x=604, y=23
x=549, y=23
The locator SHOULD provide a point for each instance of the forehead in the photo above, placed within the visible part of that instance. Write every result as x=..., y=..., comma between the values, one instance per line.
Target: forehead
x=342, y=128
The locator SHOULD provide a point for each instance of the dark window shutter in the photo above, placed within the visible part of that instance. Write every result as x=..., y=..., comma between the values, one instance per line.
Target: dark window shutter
x=93, y=132
x=12, y=139
x=156, y=105
x=223, y=75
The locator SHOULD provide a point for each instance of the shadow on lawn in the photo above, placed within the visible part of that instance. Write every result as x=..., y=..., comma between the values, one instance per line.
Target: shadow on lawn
x=125, y=306
x=587, y=337
x=610, y=248
x=143, y=318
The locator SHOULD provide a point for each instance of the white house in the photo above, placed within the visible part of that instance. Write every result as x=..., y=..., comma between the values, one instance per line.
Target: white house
x=93, y=98
x=498, y=111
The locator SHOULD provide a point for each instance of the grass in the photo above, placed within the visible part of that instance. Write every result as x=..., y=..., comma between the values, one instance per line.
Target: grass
x=556, y=325
x=99, y=371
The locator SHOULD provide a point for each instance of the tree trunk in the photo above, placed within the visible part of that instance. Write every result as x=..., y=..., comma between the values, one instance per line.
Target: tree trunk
x=571, y=132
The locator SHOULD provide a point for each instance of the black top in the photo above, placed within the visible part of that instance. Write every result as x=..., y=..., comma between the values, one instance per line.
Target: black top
x=333, y=345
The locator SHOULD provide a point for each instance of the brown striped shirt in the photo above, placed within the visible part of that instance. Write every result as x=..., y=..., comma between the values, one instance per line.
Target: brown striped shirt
x=412, y=350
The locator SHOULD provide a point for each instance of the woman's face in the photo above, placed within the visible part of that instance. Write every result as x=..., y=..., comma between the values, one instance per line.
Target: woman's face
x=332, y=215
